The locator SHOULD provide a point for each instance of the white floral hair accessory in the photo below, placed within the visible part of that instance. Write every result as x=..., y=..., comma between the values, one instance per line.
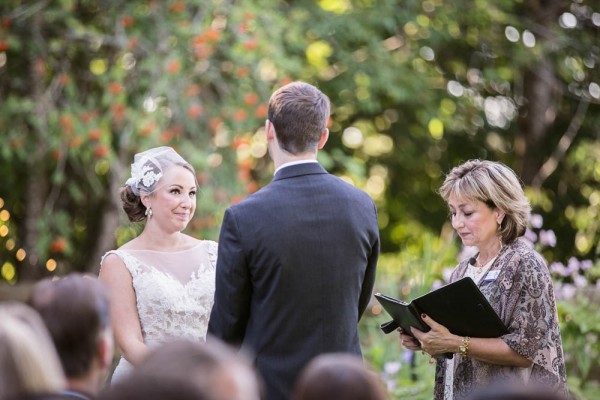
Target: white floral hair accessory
x=148, y=168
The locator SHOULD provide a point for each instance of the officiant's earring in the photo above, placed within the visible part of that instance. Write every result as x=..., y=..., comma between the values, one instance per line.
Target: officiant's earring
x=148, y=212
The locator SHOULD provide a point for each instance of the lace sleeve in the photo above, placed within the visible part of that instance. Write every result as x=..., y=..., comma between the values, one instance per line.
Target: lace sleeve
x=131, y=263
x=212, y=250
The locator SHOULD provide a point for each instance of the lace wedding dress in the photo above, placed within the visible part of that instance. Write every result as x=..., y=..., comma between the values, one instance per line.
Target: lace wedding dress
x=174, y=293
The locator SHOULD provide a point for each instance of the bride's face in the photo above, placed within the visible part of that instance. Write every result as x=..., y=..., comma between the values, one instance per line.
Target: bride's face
x=174, y=202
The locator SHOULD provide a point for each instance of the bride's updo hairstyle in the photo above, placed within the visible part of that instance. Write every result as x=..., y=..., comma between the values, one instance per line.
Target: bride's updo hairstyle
x=147, y=169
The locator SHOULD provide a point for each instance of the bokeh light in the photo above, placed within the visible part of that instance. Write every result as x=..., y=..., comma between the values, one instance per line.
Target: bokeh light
x=8, y=271
x=21, y=254
x=4, y=215
x=51, y=265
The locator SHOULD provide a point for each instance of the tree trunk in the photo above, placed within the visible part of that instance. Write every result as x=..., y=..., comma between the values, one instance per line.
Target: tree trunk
x=540, y=91
x=36, y=185
x=109, y=220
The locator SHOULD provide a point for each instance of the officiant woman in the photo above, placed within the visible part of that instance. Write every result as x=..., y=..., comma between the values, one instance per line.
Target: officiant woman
x=490, y=212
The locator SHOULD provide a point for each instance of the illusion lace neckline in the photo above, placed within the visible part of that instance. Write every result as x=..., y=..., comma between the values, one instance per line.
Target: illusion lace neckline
x=165, y=251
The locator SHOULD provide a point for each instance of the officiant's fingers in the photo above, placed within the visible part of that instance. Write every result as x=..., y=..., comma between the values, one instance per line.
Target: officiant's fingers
x=409, y=342
x=432, y=324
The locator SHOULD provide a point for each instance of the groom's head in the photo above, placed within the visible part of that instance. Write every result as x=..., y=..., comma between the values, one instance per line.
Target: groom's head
x=299, y=113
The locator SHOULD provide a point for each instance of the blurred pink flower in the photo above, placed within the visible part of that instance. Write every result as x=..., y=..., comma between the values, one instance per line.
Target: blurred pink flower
x=548, y=238
x=536, y=221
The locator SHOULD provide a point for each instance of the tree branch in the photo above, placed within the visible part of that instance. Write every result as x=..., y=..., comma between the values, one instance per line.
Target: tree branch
x=563, y=145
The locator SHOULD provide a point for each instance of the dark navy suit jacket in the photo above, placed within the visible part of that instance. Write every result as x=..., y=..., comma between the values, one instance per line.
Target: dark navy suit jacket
x=295, y=272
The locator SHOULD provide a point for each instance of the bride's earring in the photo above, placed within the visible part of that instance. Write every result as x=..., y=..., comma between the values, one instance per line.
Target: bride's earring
x=148, y=212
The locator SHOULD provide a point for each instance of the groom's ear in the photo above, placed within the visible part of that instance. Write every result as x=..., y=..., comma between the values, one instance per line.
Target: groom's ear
x=270, y=129
x=323, y=139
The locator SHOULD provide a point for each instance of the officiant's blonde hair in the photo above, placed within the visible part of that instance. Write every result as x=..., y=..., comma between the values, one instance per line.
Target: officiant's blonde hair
x=496, y=185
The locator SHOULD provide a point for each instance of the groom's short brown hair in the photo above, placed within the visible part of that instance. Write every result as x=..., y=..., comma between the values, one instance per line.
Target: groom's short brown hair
x=299, y=114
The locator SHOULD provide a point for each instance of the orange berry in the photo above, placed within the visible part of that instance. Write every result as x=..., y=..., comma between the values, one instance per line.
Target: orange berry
x=173, y=66
x=58, y=245
x=118, y=111
x=261, y=111
x=251, y=187
x=214, y=123
x=251, y=99
x=94, y=134
x=147, y=129
x=115, y=88
x=101, y=151
x=56, y=154
x=192, y=90
x=63, y=79
x=6, y=22
x=203, y=51
x=166, y=136
x=240, y=115
x=178, y=7
x=242, y=72
x=88, y=116
x=195, y=110
x=250, y=44
x=133, y=43
x=66, y=122
x=127, y=21
x=212, y=35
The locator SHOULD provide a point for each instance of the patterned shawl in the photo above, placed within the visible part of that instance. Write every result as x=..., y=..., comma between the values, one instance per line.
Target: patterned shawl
x=523, y=296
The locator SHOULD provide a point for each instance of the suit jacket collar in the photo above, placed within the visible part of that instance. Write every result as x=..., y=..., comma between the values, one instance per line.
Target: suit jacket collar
x=298, y=170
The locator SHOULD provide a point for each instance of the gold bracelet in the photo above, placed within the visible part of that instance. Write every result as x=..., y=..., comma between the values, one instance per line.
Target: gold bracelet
x=463, y=349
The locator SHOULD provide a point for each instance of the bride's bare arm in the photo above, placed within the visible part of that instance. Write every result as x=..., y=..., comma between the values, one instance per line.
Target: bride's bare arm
x=124, y=315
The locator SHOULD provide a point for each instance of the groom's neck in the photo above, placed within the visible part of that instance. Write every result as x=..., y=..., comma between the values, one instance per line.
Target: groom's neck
x=287, y=158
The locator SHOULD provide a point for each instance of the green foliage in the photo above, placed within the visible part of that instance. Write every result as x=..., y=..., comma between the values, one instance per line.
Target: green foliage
x=580, y=330
x=406, y=275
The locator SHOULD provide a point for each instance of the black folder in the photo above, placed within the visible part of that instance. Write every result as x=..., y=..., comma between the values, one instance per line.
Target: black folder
x=459, y=306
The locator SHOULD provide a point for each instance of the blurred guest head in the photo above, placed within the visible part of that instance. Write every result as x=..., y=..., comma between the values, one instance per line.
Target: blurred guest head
x=182, y=370
x=340, y=377
x=76, y=312
x=29, y=364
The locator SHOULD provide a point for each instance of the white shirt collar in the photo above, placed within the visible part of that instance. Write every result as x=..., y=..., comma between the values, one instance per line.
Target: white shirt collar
x=289, y=164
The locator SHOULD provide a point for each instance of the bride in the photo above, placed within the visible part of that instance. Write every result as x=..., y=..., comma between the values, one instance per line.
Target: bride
x=162, y=281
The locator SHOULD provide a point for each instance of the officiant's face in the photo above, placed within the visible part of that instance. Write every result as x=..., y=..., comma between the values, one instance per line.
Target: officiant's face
x=174, y=202
x=474, y=221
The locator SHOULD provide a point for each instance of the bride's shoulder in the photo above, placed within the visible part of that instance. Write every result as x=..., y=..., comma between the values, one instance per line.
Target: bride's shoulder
x=195, y=242
x=208, y=248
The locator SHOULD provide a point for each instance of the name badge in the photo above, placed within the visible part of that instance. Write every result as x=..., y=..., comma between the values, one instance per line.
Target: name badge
x=492, y=275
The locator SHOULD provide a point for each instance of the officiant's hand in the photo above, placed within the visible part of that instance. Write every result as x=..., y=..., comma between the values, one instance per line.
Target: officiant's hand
x=408, y=341
x=438, y=340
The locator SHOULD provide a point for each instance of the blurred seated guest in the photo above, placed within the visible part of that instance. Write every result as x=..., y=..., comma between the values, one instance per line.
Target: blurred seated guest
x=515, y=390
x=76, y=312
x=29, y=365
x=338, y=376
x=489, y=211
x=184, y=370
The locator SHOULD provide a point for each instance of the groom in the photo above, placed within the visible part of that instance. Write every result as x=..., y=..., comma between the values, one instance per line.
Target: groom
x=296, y=262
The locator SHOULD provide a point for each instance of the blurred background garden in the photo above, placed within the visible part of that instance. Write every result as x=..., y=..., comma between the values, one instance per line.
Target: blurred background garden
x=416, y=87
